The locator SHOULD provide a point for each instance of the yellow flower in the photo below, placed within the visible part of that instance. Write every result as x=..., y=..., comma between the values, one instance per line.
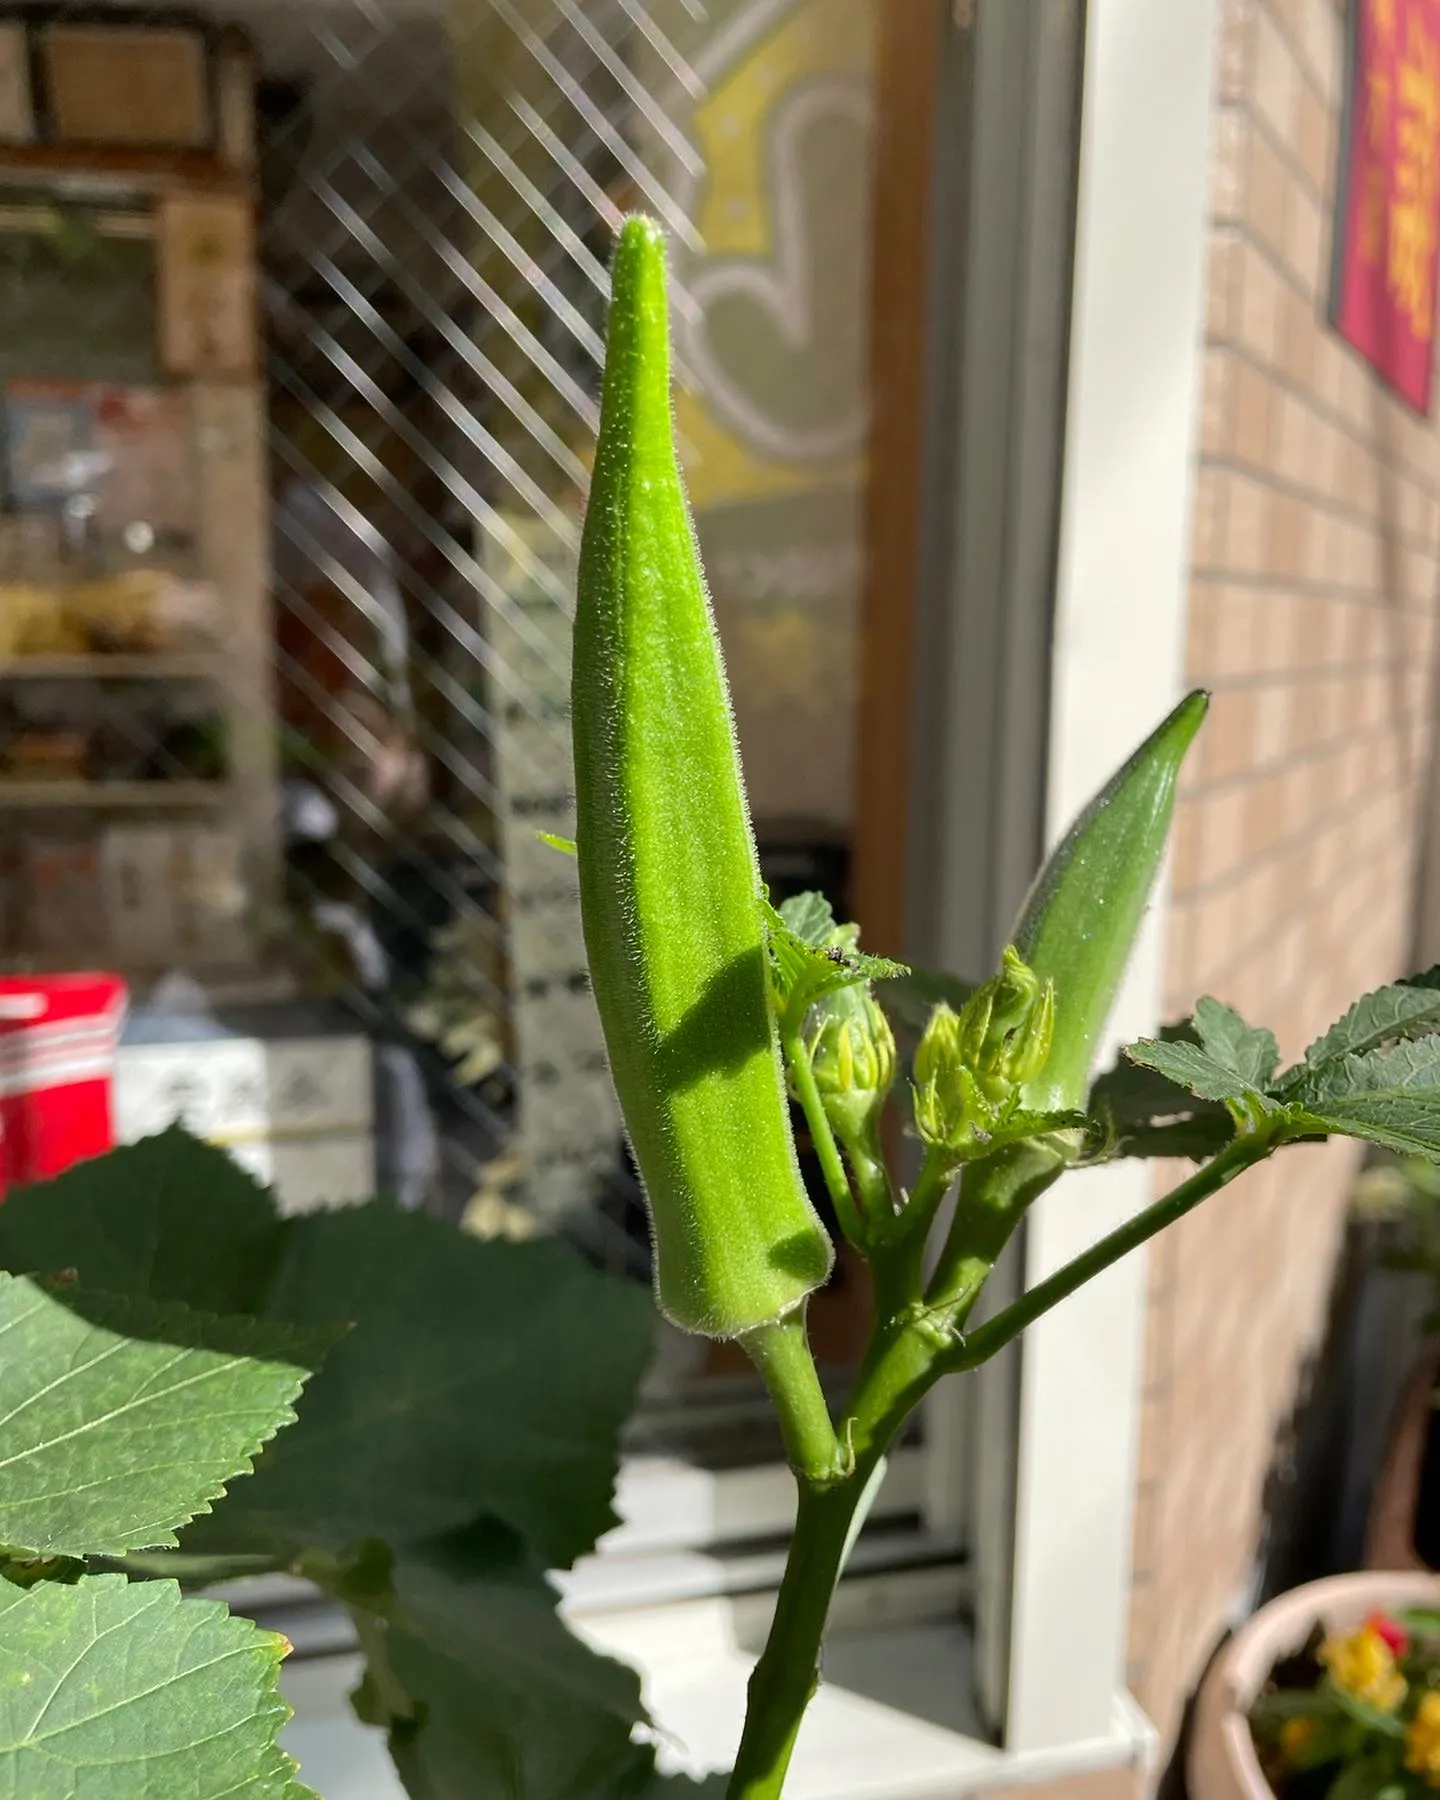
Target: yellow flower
x=1295, y=1734
x=1422, y=1740
x=1363, y=1664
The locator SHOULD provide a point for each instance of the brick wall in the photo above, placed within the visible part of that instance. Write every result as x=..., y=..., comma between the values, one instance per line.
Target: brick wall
x=1317, y=509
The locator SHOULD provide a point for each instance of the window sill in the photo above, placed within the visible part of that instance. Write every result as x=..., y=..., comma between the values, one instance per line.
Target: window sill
x=893, y=1721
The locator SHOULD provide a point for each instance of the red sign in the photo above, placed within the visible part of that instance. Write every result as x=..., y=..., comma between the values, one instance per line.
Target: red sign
x=1388, y=217
x=58, y=1037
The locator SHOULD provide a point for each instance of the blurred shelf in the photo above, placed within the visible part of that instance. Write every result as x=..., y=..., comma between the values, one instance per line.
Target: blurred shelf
x=16, y=795
x=159, y=666
x=96, y=168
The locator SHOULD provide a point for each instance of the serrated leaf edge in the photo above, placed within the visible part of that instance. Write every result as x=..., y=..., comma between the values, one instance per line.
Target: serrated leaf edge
x=176, y=1311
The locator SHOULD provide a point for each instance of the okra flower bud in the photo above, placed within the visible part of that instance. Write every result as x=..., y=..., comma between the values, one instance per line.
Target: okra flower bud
x=1006, y=1028
x=945, y=1094
x=971, y=1065
x=852, y=1054
x=670, y=891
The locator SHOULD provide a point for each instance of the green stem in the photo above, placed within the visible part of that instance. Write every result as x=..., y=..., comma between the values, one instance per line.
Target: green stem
x=872, y=1178
x=784, y=1680
x=837, y=1182
x=995, y=1192
x=896, y=1373
x=897, y=1257
x=781, y=1352
x=984, y=1342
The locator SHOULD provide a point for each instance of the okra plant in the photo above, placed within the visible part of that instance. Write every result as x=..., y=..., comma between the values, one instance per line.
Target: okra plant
x=195, y=1388
x=714, y=1004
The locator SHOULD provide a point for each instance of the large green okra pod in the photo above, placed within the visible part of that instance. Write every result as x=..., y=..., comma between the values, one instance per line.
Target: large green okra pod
x=1079, y=924
x=669, y=882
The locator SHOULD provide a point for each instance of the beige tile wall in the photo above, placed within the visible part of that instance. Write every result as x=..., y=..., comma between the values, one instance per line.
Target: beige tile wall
x=1317, y=509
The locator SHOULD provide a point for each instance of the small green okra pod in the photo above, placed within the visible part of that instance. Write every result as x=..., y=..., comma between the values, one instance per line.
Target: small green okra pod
x=1079, y=924
x=670, y=890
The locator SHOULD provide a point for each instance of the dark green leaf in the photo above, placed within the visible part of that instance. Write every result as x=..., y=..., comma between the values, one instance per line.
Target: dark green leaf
x=480, y=1378
x=165, y=1219
x=1389, y=1097
x=1408, y=1123
x=129, y=1692
x=1412, y=1066
x=1398, y=1011
x=479, y=1597
x=1144, y=1113
x=120, y=1420
x=465, y=1737
x=1189, y=1067
x=1248, y=1051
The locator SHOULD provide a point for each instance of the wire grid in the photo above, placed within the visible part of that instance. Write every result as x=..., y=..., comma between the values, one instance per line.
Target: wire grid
x=441, y=187
x=440, y=181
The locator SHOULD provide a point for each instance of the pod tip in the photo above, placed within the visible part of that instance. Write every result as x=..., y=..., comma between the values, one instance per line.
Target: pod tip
x=640, y=232
x=1188, y=716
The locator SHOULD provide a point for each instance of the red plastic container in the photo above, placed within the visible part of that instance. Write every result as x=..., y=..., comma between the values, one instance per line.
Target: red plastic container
x=58, y=1038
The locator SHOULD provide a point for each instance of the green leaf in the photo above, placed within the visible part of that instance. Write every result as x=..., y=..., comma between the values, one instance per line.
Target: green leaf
x=1420, y=1621
x=802, y=971
x=1019, y=1125
x=1225, y=1059
x=168, y=1218
x=1189, y=1067
x=566, y=846
x=1407, y=1123
x=1373, y=1718
x=1407, y=1066
x=117, y=1691
x=1143, y=1113
x=1398, y=1011
x=480, y=1377
x=121, y=1420
x=480, y=1597
x=810, y=917
x=1389, y=1097
x=1249, y=1051
x=466, y=1737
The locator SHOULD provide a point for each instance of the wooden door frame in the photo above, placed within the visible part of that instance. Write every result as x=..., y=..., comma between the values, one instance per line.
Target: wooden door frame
x=908, y=57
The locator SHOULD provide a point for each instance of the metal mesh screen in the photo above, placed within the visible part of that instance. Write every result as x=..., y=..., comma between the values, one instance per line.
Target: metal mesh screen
x=436, y=182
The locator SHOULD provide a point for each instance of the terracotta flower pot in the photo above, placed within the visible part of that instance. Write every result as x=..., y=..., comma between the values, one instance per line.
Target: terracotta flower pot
x=1222, y=1764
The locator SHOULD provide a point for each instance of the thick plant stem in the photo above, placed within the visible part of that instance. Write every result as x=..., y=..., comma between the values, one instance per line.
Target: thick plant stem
x=837, y=1182
x=788, y=1673
x=895, y=1375
x=984, y=1342
x=782, y=1354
